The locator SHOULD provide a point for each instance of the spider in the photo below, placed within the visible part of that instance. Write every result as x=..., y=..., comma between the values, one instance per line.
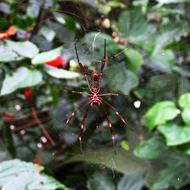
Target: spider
x=94, y=97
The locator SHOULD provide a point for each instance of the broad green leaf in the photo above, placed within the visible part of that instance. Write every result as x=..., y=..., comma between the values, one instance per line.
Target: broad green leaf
x=8, y=55
x=133, y=181
x=33, y=8
x=47, y=56
x=156, y=88
x=186, y=115
x=159, y=113
x=141, y=3
x=105, y=8
x=95, y=41
x=23, y=77
x=132, y=23
x=175, y=175
x=159, y=84
x=48, y=33
x=164, y=39
x=122, y=79
x=171, y=34
x=119, y=160
x=100, y=181
x=61, y=73
x=15, y=51
x=124, y=144
x=175, y=134
x=24, y=49
x=66, y=20
x=184, y=100
x=150, y=149
x=134, y=59
x=22, y=175
x=161, y=2
x=164, y=60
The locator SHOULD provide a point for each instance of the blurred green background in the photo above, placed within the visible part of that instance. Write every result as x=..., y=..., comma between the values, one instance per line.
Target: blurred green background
x=148, y=52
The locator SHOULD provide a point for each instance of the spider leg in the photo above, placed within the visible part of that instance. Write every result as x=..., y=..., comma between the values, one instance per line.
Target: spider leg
x=81, y=105
x=82, y=127
x=80, y=64
x=109, y=125
x=83, y=69
x=75, y=92
x=116, y=112
x=104, y=60
x=112, y=94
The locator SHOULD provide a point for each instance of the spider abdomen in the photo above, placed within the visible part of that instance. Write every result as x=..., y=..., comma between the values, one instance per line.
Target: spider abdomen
x=95, y=100
x=95, y=76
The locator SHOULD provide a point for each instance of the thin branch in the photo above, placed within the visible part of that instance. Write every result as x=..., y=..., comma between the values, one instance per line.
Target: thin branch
x=44, y=130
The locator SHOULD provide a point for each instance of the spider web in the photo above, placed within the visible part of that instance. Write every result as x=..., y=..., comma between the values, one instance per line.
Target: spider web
x=23, y=109
x=87, y=52
x=89, y=56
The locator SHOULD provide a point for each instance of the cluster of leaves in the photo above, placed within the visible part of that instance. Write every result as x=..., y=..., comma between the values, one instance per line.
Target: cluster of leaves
x=148, y=50
x=172, y=124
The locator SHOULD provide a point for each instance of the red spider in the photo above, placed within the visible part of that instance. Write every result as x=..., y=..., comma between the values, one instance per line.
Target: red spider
x=95, y=96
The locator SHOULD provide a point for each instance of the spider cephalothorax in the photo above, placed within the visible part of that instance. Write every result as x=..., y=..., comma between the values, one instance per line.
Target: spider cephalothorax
x=94, y=96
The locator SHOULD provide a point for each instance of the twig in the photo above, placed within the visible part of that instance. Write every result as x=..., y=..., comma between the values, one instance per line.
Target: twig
x=44, y=130
x=41, y=16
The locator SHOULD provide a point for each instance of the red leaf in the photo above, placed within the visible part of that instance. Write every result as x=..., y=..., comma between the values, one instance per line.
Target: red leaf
x=28, y=93
x=58, y=61
x=11, y=31
x=38, y=159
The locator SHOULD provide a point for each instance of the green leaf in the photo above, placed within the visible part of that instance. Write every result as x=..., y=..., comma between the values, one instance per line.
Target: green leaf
x=175, y=175
x=186, y=116
x=161, y=2
x=22, y=175
x=100, y=181
x=164, y=60
x=133, y=181
x=184, y=100
x=66, y=20
x=95, y=40
x=158, y=85
x=134, y=59
x=164, y=39
x=132, y=23
x=15, y=51
x=159, y=113
x=8, y=55
x=118, y=159
x=47, y=56
x=61, y=73
x=23, y=77
x=175, y=134
x=150, y=149
x=48, y=33
x=121, y=79
x=24, y=49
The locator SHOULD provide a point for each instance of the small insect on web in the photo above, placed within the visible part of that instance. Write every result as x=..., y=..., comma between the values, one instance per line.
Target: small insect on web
x=94, y=97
